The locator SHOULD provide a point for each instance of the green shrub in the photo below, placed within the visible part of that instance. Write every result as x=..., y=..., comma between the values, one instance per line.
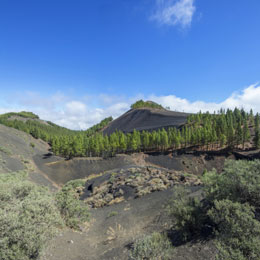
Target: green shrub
x=153, y=247
x=112, y=214
x=229, y=209
x=186, y=212
x=237, y=230
x=239, y=181
x=28, y=217
x=32, y=145
x=74, y=211
x=5, y=150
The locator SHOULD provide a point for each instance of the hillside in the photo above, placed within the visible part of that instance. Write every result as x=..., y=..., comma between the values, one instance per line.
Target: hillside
x=177, y=131
x=126, y=194
x=20, y=151
x=146, y=119
x=17, y=150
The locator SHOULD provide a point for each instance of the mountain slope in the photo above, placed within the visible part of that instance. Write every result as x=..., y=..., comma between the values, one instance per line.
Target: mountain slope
x=146, y=119
x=17, y=150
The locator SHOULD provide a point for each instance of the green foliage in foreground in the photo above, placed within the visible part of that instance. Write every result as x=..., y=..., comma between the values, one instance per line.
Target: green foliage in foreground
x=239, y=182
x=230, y=209
x=74, y=211
x=237, y=230
x=153, y=247
x=28, y=217
x=186, y=213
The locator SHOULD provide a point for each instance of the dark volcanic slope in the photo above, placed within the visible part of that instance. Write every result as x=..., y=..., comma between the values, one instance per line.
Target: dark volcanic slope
x=146, y=119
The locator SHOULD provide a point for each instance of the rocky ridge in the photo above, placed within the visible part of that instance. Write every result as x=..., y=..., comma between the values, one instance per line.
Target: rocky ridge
x=131, y=183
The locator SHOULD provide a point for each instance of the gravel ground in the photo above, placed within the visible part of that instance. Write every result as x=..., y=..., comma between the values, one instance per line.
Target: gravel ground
x=113, y=229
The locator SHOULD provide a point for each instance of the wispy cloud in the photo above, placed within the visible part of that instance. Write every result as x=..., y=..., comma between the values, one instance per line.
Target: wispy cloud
x=81, y=114
x=174, y=12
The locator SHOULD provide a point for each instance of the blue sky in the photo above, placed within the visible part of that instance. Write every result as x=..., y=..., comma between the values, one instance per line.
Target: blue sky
x=74, y=62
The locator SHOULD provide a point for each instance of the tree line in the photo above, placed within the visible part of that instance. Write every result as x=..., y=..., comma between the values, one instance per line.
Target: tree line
x=203, y=131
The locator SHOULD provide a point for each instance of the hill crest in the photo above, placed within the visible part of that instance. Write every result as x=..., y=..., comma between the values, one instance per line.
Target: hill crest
x=146, y=104
x=146, y=119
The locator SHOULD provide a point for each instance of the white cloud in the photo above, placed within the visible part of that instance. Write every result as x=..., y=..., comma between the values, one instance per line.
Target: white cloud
x=174, y=12
x=75, y=108
x=247, y=99
x=82, y=114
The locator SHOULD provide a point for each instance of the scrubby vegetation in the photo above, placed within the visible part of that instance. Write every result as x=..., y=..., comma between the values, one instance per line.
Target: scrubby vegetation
x=187, y=213
x=146, y=104
x=202, y=131
x=153, y=247
x=228, y=211
x=112, y=214
x=28, y=217
x=73, y=211
x=31, y=215
x=5, y=150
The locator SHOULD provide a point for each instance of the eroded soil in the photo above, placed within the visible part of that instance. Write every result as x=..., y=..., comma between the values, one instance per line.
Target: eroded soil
x=113, y=229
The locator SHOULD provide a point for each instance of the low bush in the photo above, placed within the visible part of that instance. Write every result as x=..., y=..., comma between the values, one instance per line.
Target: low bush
x=153, y=247
x=187, y=213
x=74, y=211
x=239, y=181
x=112, y=214
x=29, y=217
x=229, y=209
x=5, y=150
x=237, y=230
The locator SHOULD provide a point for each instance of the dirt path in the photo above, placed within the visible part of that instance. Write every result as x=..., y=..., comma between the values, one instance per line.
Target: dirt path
x=112, y=229
x=140, y=159
x=40, y=177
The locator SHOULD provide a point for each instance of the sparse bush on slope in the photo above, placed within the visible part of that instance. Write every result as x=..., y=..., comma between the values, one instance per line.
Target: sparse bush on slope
x=187, y=213
x=153, y=247
x=74, y=211
x=229, y=209
x=28, y=217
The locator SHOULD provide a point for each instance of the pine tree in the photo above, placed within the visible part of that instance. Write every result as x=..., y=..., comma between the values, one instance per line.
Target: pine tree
x=122, y=142
x=164, y=139
x=239, y=134
x=145, y=140
x=246, y=133
x=223, y=140
x=230, y=136
x=257, y=133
